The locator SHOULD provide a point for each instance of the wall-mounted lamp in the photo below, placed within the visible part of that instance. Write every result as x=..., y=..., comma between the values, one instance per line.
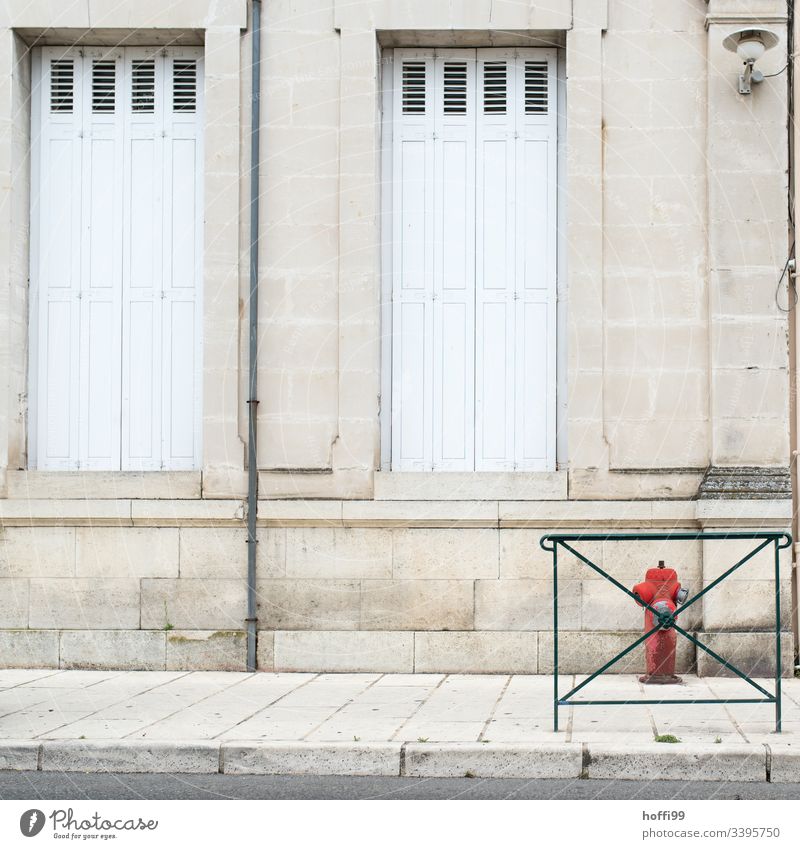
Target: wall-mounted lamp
x=750, y=45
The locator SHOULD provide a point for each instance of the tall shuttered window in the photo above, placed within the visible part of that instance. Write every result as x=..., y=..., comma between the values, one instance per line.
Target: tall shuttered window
x=116, y=261
x=473, y=259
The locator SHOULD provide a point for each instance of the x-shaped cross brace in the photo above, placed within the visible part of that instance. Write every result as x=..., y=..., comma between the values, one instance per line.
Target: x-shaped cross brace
x=666, y=620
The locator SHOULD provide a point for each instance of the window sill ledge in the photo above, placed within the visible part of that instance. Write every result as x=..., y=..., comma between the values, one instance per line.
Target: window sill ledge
x=37, y=484
x=471, y=486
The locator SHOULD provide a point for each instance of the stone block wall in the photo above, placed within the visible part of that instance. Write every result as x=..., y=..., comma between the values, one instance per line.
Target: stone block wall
x=365, y=594
x=676, y=360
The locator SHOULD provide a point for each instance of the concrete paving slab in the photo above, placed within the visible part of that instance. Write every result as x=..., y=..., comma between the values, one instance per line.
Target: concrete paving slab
x=621, y=721
x=110, y=729
x=393, y=695
x=30, y=724
x=765, y=733
x=222, y=710
x=346, y=731
x=16, y=677
x=418, y=679
x=608, y=736
x=323, y=691
x=73, y=680
x=279, y=723
x=441, y=731
x=18, y=699
x=503, y=732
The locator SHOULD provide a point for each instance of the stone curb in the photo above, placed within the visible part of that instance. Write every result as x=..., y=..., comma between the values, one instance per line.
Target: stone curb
x=129, y=756
x=779, y=762
x=783, y=761
x=674, y=762
x=493, y=760
x=302, y=758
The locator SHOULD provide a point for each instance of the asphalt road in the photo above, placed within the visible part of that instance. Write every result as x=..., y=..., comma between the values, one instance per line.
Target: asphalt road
x=50, y=785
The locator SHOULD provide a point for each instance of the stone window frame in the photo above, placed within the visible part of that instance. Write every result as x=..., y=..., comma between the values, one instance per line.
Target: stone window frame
x=543, y=482
x=222, y=471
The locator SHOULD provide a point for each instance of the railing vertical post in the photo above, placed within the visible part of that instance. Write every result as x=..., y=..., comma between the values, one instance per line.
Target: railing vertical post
x=555, y=636
x=778, y=655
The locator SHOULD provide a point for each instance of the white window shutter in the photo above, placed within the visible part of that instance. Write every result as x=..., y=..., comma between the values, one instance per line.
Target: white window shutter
x=56, y=260
x=495, y=271
x=144, y=96
x=412, y=261
x=454, y=260
x=162, y=316
x=101, y=261
x=182, y=256
x=474, y=259
x=535, y=258
x=116, y=259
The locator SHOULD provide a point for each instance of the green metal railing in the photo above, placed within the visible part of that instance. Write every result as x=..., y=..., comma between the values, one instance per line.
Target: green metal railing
x=777, y=539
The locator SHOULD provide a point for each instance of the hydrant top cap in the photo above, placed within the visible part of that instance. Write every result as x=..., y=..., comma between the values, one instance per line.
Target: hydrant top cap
x=661, y=574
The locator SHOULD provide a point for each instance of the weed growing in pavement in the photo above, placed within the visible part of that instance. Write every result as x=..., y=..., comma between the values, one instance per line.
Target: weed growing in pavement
x=667, y=738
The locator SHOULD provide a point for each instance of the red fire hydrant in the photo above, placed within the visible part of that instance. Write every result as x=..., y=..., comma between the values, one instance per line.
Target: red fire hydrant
x=662, y=591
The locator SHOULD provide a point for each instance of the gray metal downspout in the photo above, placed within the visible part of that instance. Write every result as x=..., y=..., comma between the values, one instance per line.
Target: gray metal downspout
x=252, y=400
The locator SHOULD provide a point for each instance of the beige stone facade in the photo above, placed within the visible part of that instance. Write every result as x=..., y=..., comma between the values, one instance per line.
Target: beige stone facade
x=673, y=355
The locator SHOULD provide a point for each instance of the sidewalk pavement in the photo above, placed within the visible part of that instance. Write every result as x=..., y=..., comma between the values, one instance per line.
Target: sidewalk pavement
x=373, y=724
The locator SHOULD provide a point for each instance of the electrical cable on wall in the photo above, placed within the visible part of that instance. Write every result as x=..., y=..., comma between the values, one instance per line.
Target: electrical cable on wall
x=792, y=290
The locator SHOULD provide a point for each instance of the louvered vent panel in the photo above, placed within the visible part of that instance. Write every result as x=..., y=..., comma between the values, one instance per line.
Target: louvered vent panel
x=455, y=88
x=495, y=88
x=62, y=85
x=414, y=88
x=184, y=85
x=104, y=81
x=143, y=85
x=536, y=88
